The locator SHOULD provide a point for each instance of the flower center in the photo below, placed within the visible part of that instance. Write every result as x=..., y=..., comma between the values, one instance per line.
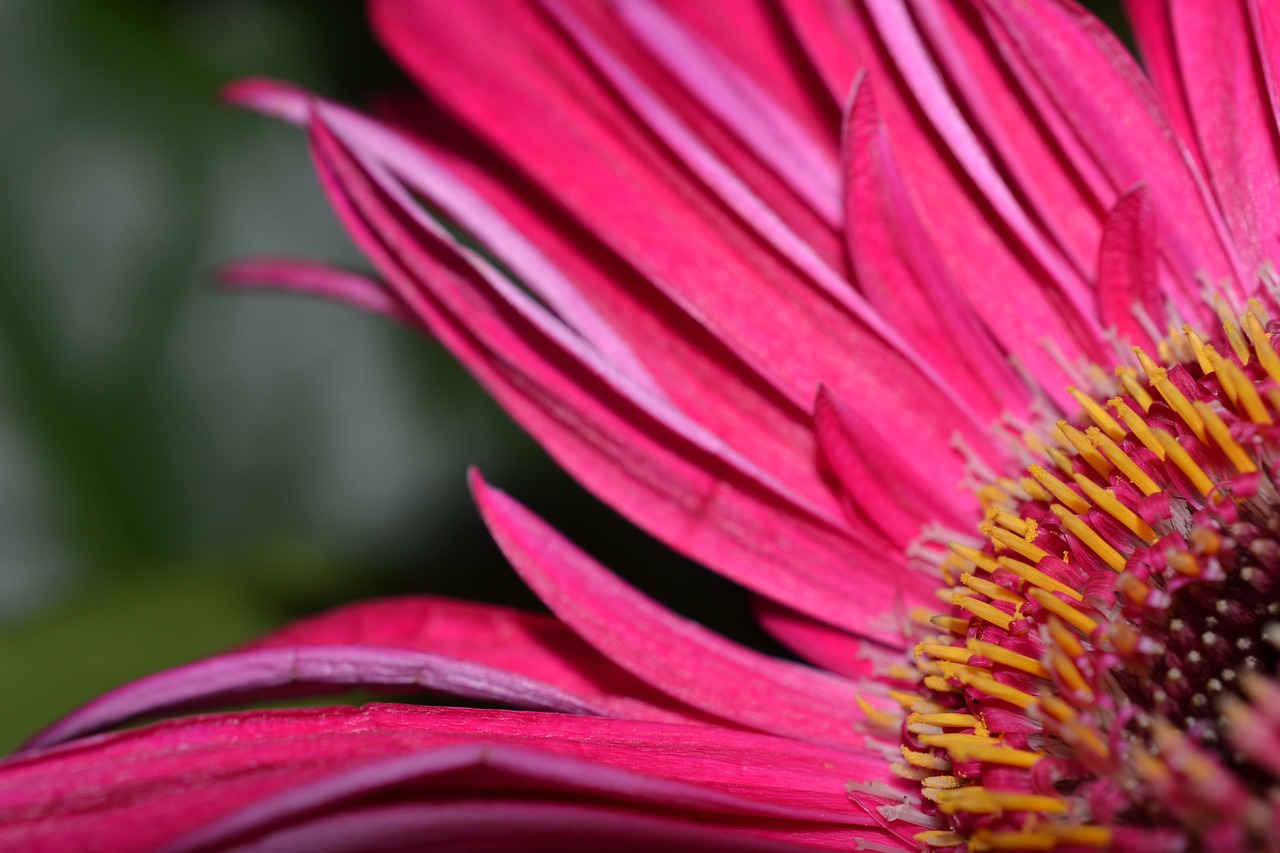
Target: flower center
x=1102, y=677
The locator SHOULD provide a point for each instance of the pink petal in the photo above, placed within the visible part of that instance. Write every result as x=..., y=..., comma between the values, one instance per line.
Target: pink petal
x=693, y=492
x=315, y=279
x=901, y=273
x=830, y=648
x=1224, y=73
x=1127, y=267
x=137, y=789
x=1110, y=107
x=677, y=656
x=895, y=491
x=1153, y=31
x=610, y=175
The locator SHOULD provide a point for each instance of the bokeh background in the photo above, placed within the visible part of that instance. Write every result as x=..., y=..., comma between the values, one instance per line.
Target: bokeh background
x=182, y=468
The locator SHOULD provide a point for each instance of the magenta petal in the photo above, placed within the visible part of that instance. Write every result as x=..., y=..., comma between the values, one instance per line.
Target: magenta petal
x=675, y=655
x=133, y=790
x=455, y=773
x=495, y=825
x=675, y=479
x=1127, y=268
x=240, y=677
x=1224, y=70
x=830, y=648
x=315, y=279
x=898, y=488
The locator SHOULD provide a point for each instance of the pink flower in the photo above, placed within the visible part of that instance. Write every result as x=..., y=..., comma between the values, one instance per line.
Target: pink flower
x=814, y=295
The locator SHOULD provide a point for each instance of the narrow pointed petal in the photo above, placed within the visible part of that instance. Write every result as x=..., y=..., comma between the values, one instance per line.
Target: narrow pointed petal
x=899, y=269
x=1127, y=274
x=314, y=279
x=713, y=673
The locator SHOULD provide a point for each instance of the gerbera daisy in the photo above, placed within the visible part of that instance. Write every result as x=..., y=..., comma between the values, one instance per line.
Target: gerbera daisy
x=939, y=326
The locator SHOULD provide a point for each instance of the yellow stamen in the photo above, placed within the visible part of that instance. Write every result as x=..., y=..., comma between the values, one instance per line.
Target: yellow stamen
x=1064, y=639
x=1034, y=576
x=997, y=690
x=1267, y=355
x=1178, y=454
x=1247, y=397
x=950, y=623
x=1069, y=674
x=1225, y=379
x=925, y=759
x=1080, y=528
x=937, y=651
x=983, y=610
x=1129, y=379
x=1198, y=347
x=1108, y=502
x=877, y=717
x=973, y=555
x=1097, y=414
x=1137, y=425
x=1085, y=448
x=1003, y=755
x=940, y=782
x=1177, y=401
x=1121, y=460
x=947, y=719
x=1014, y=543
x=946, y=741
x=1062, y=460
x=991, y=590
x=1237, y=341
x=978, y=800
x=1033, y=489
x=1222, y=435
x=939, y=838
x=999, y=654
x=1046, y=837
x=1059, y=490
x=1007, y=520
x=1064, y=611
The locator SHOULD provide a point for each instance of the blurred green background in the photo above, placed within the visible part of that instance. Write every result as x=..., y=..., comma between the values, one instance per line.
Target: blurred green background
x=182, y=468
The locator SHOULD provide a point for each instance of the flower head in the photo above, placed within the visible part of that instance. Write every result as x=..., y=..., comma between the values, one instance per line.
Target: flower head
x=939, y=326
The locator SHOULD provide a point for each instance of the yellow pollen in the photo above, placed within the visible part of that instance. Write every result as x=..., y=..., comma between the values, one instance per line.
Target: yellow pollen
x=1034, y=576
x=991, y=590
x=1121, y=460
x=1014, y=543
x=999, y=654
x=1059, y=490
x=1097, y=414
x=1178, y=454
x=938, y=684
x=925, y=759
x=1080, y=528
x=1064, y=611
x=1129, y=380
x=1108, y=502
x=1159, y=378
x=940, y=782
x=1137, y=425
x=1085, y=448
x=1267, y=356
x=1007, y=520
x=906, y=771
x=1222, y=435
